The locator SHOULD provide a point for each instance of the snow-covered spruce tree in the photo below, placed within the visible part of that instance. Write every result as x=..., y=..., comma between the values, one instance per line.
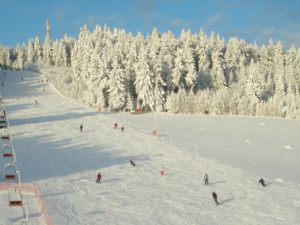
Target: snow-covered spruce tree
x=38, y=51
x=217, y=70
x=204, y=79
x=61, y=57
x=190, y=68
x=144, y=82
x=254, y=83
x=47, y=50
x=31, y=53
x=178, y=71
x=116, y=87
x=21, y=57
x=159, y=88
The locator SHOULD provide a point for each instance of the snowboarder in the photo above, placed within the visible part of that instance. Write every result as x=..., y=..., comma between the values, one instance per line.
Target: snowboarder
x=162, y=171
x=122, y=129
x=206, y=179
x=131, y=161
x=81, y=127
x=215, y=197
x=116, y=125
x=262, y=182
x=98, y=177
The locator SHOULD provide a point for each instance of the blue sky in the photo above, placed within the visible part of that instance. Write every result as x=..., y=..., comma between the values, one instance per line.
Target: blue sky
x=251, y=20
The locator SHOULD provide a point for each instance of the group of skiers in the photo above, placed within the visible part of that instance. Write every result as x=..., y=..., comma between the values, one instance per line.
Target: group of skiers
x=116, y=125
x=214, y=195
x=206, y=182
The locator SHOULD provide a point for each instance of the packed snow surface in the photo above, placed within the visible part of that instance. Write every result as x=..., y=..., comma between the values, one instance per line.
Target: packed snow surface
x=235, y=152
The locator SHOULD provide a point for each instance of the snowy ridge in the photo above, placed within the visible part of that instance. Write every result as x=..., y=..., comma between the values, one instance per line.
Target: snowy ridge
x=234, y=151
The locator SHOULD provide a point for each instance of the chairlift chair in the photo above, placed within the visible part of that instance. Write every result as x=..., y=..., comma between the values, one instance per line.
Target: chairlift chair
x=5, y=135
x=8, y=151
x=3, y=124
x=15, y=197
x=10, y=171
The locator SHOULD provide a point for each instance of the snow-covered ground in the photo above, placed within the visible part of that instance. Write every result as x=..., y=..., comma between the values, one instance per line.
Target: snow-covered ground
x=63, y=162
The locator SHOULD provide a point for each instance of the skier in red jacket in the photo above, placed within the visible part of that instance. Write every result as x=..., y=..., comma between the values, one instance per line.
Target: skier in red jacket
x=98, y=177
x=162, y=171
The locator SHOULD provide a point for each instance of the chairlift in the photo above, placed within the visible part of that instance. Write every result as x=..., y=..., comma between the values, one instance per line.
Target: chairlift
x=10, y=171
x=8, y=151
x=3, y=124
x=5, y=135
x=15, y=197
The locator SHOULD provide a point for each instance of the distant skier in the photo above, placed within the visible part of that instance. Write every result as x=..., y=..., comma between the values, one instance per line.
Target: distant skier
x=162, y=171
x=131, y=161
x=215, y=197
x=99, y=176
x=116, y=125
x=206, y=179
x=122, y=129
x=36, y=102
x=262, y=182
x=81, y=127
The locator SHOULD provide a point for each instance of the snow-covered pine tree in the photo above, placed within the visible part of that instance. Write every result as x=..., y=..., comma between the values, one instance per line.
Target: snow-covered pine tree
x=116, y=87
x=144, y=82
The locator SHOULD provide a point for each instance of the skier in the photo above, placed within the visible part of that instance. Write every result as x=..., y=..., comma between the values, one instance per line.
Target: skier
x=206, y=179
x=214, y=195
x=81, y=127
x=116, y=125
x=98, y=177
x=36, y=102
x=131, y=161
x=122, y=129
x=162, y=171
x=262, y=182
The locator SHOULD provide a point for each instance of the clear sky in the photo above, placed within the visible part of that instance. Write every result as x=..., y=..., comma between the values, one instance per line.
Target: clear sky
x=251, y=20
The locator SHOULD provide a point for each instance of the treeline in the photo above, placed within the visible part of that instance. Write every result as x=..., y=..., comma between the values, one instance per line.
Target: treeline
x=193, y=73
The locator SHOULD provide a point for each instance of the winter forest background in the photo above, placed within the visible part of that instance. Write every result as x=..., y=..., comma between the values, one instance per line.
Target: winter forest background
x=192, y=73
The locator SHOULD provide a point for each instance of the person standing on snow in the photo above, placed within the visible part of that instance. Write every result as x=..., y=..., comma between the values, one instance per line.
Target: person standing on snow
x=206, y=179
x=116, y=125
x=131, y=161
x=81, y=127
x=262, y=182
x=99, y=176
x=162, y=171
x=215, y=197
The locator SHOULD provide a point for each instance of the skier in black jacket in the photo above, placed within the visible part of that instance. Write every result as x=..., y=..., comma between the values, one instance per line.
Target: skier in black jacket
x=215, y=197
x=262, y=182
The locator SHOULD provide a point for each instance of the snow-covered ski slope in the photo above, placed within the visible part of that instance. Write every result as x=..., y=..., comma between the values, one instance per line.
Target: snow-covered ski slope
x=64, y=162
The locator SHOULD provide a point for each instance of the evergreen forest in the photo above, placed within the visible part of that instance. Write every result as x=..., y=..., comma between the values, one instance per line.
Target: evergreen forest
x=159, y=72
